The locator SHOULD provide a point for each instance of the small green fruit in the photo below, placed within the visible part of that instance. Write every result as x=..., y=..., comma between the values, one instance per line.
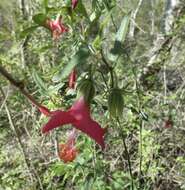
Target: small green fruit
x=115, y=102
x=86, y=88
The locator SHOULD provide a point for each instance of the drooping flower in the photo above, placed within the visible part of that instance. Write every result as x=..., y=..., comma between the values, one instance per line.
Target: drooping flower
x=78, y=116
x=72, y=79
x=74, y=3
x=68, y=151
x=56, y=27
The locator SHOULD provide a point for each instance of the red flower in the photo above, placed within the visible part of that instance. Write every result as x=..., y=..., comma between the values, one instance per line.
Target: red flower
x=67, y=151
x=72, y=79
x=44, y=110
x=74, y=3
x=56, y=27
x=79, y=116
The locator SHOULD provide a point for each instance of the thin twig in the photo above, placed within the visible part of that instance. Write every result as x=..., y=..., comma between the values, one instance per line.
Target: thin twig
x=32, y=170
x=4, y=101
x=109, y=67
x=18, y=139
x=127, y=154
x=19, y=85
x=141, y=150
x=104, y=80
x=134, y=15
x=165, y=83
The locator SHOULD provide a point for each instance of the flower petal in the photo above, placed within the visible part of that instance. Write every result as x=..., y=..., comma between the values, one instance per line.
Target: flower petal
x=74, y=3
x=56, y=27
x=72, y=79
x=58, y=118
x=80, y=109
x=83, y=121
x=45, y=111
x=92, y=129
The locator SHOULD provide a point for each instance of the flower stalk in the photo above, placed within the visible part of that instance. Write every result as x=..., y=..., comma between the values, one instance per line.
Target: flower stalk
x=20, y=86
x=127, y=154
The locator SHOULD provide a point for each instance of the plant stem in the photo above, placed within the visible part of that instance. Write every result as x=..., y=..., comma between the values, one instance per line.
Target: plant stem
x=109, y=67
x=30, y=166
x=141, y=123
x=141, y=152
x=19, y=85
x=127, y=154
x=104, y=80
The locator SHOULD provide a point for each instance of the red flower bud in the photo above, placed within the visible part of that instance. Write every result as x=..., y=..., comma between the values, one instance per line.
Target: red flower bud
x=67, y=151
x=72, y=79
x=56, y=27
x=45, y=111
x=74, y=3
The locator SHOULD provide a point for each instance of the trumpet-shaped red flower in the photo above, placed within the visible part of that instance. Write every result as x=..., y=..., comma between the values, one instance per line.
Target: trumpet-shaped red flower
x=78, y=116
x=72, y=79
x=56, y=27
x=68, y=151
x=74, y=3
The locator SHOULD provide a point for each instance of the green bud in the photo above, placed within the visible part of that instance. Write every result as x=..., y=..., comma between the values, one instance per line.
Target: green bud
x=115, y=102
x=86, y=88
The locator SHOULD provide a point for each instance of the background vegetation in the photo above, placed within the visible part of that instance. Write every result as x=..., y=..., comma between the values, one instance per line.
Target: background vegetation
x=137, y=46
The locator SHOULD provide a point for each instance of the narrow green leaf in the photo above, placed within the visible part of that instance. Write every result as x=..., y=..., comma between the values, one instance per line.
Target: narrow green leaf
x=121, y=33
x=120, y=38
x=40, y=83
x=81, y=9
x=27, y=31
x=79, y=58
x=40, y=19
x=105, y=21
x=45, y=3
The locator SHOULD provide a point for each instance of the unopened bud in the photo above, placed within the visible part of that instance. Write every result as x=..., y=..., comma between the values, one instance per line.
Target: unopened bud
x=115, y=102
x=86, y=88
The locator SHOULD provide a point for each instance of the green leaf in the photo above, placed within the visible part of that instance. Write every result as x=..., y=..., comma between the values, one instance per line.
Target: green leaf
x=45, y=3
x=81, y=9
x=105, y=21
x=79, y=58
x=27, y=31
x=40, y=19
x=40, y=83
x=120, y=38
x=54, y=88
x=121, y=33
x=97, y=42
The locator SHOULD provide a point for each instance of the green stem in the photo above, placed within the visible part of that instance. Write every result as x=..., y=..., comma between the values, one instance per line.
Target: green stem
x=141, y=123
x=127, y=154
x=141, y=153
x=109, y=68
x=104, y=80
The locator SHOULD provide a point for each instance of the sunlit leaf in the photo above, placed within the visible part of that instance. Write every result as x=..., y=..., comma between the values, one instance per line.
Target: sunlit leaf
x=79, y=58
x=40, y=19
x=120, y=38
x=40, y=83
